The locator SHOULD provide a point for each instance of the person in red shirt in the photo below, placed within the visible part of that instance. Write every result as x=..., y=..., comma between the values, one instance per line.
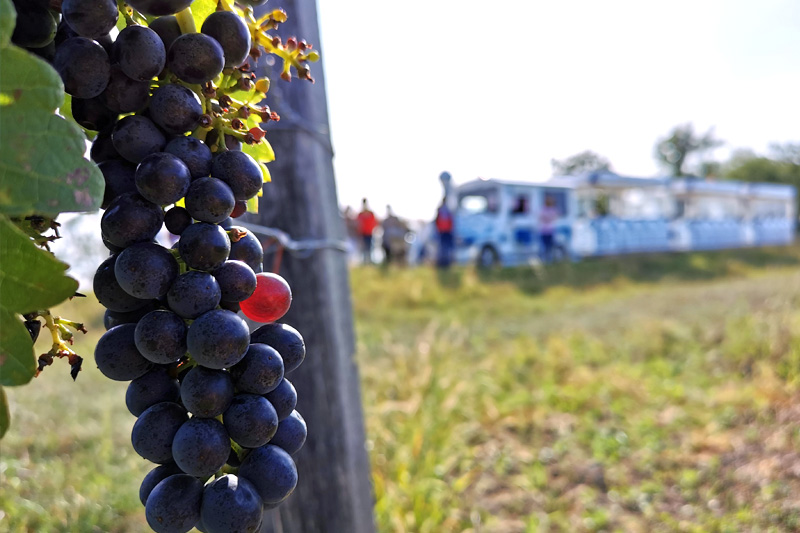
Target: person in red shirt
x=444, y=227
x=366, y=225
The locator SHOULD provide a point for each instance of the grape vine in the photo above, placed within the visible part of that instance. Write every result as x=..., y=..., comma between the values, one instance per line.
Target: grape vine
x=167, y=92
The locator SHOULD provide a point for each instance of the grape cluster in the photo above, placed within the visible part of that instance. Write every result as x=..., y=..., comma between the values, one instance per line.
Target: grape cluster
x=211, y=398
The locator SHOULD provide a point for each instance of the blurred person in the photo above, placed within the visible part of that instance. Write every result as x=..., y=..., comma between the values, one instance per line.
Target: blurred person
x=353, y=237
x=444, y=228
x=547, y=218
x=394, y=238
x=366, y=226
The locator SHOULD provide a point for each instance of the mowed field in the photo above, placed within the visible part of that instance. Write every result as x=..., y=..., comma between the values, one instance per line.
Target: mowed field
x=650, y=393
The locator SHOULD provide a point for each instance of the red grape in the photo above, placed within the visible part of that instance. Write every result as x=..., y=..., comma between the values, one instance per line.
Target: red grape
x=271, y=299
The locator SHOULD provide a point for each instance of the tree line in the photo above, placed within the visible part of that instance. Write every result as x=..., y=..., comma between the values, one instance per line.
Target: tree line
x=682, y=152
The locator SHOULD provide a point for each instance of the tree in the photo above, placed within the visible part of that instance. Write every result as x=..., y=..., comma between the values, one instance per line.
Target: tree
x=586, y=161
x=782, y=167
x=673, y=151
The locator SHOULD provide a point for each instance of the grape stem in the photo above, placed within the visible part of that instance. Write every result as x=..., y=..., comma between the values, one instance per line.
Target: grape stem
x=186, y=21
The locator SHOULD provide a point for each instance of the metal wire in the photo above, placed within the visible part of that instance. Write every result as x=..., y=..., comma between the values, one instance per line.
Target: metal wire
x=302, y=248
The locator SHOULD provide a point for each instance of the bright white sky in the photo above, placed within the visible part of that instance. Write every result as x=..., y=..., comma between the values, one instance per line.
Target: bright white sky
x=497, y=89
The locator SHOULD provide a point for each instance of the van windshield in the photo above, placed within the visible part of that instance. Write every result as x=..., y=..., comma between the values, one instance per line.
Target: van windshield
x=477, y=202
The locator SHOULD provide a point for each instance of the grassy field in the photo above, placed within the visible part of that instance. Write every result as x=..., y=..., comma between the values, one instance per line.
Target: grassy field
x=652, y=393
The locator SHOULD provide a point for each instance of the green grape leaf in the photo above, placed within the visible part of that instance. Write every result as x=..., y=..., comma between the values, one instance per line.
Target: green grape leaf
x=28, y=81
x=252, y=205
x=202, y=9
x=17, y=360
x=261, y=152
x=30, y=279
x=5, y=416
x=42, y=169
x=8, y=19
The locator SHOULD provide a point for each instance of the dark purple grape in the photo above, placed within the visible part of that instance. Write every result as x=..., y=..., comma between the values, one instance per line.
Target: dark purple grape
x=230, y=31
x=103, y=148
x=205, y=392
x=247, y=249
x=283, y=399
x=193, y=294
x=174, y=504
x=239, y=209
x=240, y=171
x=140, y=53
x=286, y=340
x=291, y=434
x=159, y=7
x=118, y=176
x=124, y=95
x=46, y=52
x=162, y=178
x=129, y=219
x=83, y=66
x=155, y=429
x=92, y=113
x=250, y=420
x=90, y=18
x=177, y=219
x=230, y=306
x=272, y=471
x=167, y=28
x=161, y=337
x=154, y=387
x=230, y=504
x=195, y=58
x=209, y=200
x=117, y=357
x=218, y=339
x=109, y=293
x=114, y=318
x=260, y=371
x=35, y=25
x=201, y=446
x=237, y=281
x=175, y=109
x=194, y=153
x=204, y=246
x=154, y=477
x=135, y=137
x=146, y=270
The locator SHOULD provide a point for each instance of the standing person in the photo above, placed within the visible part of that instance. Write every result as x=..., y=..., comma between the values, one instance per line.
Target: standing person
x=444, y=227
x=366, y=225
x=394, y=238
x=353, y=236
x=547, y=218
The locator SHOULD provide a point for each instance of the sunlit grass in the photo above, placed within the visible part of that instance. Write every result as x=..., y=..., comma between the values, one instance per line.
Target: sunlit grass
x=652, y=393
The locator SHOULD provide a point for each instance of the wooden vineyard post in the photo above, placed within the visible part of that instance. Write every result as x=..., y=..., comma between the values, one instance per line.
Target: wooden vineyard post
x=334, y=493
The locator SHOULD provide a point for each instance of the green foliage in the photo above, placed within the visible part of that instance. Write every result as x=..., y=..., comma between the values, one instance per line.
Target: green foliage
x=42, y=168
x=30, y=279
x=42, y=172
x=586, y=161
x=647, y=393
x=8, y=19
x=747, y=166
x=673, y=151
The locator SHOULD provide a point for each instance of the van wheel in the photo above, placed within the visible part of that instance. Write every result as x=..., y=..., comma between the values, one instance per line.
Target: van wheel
x=488, y=258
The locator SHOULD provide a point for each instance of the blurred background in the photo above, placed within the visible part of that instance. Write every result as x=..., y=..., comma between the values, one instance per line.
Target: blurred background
x=601, y=391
